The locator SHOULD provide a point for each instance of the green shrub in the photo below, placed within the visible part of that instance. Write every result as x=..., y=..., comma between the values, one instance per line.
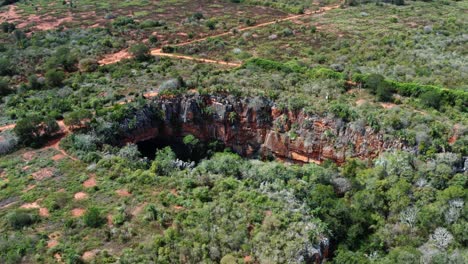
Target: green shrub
x=122, y=21
x=163, y=163
x=8, y=27
x=19, y=219
x=88, y=65
x=4, y=87
x=5, y=67
x=140, y=51
x=93, y=217
x=54, y=78
x=33, y=129
x=34, y=82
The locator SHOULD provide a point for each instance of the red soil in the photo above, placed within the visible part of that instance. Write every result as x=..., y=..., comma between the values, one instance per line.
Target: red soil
x=80, y=196
x=91, y=182
x=43, y=174
x=77, y=212
x=123, y=193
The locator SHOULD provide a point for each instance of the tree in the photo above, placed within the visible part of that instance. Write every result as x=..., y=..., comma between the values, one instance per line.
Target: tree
x=78, y=118
x=88, y=65
x=63, y=58
x=384, y=93
x=20, y=219
x=34, y=82
x=4, y=88
x=5, y=67
x=8, y=27
x=431, y=99
x=93, y=217
x=163, y=163
x=140, y=51
x=373, y=81
x=32, y=129
x=54, y=78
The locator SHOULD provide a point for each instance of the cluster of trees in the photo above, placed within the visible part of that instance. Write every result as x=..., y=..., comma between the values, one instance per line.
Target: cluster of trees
x=34, y=130
x=400, y=209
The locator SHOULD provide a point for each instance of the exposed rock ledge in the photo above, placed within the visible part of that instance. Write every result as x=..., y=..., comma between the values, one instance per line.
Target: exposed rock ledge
x=255, y=126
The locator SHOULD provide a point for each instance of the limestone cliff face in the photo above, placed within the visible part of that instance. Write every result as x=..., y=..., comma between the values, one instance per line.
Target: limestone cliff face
x=255, y=126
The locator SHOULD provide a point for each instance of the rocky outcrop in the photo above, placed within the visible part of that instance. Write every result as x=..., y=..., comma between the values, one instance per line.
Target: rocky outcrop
x=256, y=126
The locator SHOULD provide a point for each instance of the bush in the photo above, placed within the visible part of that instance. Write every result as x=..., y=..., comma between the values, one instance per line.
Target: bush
x=34, y=82
x=373, y=81
x=5, y=67
x=32, y=130
x=19, y=219
x=431, y=99
x=8, y=143
x=8, y=27
x=123, y=21
x=211, y=24
x=140, y=51
x=4, y=88
x=384, y=93
x=63, y=58
x=163, y=163
x=54, y=78
x=77, y=118
x=93, y=217
x=88, y=65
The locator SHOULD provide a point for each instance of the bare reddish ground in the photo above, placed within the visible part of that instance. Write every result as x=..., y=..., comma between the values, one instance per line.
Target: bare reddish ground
x=58, y=257
x=52, y=243
x=89, y=255
x=174, y=192
x=43, y=174
x=247, y=259
x=454, y=137
x=388, y=105
x=44, y=212
x=123, y=193
x=178, y=207
x=57, y=157
x=10, y=15
x=360, y=102
x=115, y=57
x=33, y=205
x=29, y=155
x=30, y=187
x=42, y=23
x=158, y=52
x=109, y=220
x=91, y=182
x=77, y=212
x=80, y=196
x=139, y=209
x=150, y=94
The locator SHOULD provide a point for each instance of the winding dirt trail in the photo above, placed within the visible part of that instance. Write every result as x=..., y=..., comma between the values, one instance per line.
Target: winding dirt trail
x=54, y=144
x=124, y=54
x=158, y=52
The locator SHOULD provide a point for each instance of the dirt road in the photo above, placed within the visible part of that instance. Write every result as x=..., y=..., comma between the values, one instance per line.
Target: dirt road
x=124, y=54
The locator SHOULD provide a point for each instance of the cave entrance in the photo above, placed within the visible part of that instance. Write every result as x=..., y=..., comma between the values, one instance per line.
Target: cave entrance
x=195, y=151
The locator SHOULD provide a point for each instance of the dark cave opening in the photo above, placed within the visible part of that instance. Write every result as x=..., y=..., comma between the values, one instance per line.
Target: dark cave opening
x=194, y=151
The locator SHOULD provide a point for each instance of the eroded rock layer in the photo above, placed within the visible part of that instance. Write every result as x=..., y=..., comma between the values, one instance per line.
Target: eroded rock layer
x=256, y=126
